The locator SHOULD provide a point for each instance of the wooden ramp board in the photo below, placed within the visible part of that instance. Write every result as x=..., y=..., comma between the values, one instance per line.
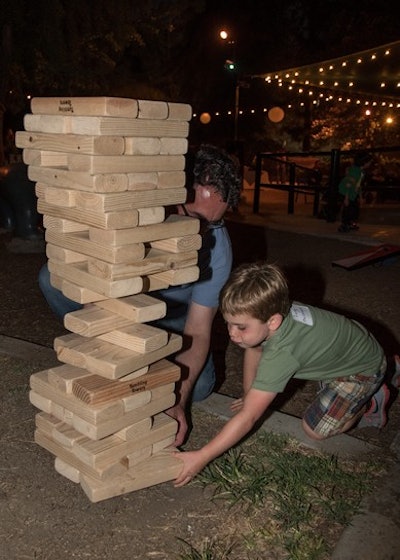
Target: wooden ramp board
x=369, y=256
x=161, y=467
x=106, y=359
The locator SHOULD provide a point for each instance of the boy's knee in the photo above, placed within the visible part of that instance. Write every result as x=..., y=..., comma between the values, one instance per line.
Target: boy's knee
x=311, y=433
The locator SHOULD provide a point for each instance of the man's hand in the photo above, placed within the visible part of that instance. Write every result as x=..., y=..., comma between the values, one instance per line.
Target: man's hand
x=178, y=413
x=193, y=463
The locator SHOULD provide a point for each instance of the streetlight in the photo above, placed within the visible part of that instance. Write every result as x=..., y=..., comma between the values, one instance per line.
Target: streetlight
x=231, y=65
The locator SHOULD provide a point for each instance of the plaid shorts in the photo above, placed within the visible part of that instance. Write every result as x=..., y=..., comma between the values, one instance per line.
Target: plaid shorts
x=339, y=400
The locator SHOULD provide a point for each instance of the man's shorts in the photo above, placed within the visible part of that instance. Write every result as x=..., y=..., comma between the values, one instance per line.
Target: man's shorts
x=339, y=400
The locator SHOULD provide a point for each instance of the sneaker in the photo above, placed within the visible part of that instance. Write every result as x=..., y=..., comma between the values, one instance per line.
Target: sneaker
x=376, y=417
x=395, y=381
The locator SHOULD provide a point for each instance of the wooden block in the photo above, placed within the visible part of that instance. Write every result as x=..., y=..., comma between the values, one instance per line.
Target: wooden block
x=40, y=402
x=74, y=143
x=47, y=123
x=134, y=430
x=140, y=308
x=111, y=126
x=80, y=294
x=78, y=273
x=119, y=164
x=113, y=202
x=55, y=196
x=113, y=449
x=95, y=414
x=161, y=467
x=62, y=377
x=98, y=219
x=180, y=276
x=138, y=400
x=106, y=359
x=162, y=444
x=148, y=216
x=63, y=255
x=66, y=470
x=154, y=261
x=138, y=337
x=44, y=158
x=179, y=244
x=104, y=182
x=179, y=111
x=136, y=457
x=145, y=181
x=107, y=106
x=94, y=321
x=171, y=179
x=142, y=146
x=174, y=226
x=63, y=225
x=102, y=472
x=152, y=109
x=173, y=146
x=95, y=389
x=80, y=242
x=57, y=430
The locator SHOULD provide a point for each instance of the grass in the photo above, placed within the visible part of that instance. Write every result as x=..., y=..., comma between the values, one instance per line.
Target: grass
x=296, y=500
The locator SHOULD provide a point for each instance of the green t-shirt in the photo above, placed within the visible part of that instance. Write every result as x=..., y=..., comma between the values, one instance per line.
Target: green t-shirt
x=316, y=345
x=351, y=183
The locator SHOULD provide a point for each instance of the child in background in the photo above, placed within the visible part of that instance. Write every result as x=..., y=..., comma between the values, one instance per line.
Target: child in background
x=284, y=340
x=350, y=190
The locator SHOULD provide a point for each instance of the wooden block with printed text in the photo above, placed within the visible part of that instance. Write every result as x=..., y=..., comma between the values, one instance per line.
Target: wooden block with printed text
x=95, y=389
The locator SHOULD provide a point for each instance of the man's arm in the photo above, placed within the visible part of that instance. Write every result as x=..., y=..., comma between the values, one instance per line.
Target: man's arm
x=198, y=331
x=255, y=404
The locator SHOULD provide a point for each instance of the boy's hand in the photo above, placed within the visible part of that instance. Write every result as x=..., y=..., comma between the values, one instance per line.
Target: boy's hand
x=237, y=405
x=193, y=463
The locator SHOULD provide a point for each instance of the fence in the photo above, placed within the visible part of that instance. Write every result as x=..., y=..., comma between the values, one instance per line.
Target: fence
x=317, y=173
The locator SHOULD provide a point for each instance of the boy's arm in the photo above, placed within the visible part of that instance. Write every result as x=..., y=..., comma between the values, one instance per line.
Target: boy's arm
x=255, y=404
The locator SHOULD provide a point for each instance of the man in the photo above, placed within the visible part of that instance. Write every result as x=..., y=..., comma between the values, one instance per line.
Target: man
x=213, y=185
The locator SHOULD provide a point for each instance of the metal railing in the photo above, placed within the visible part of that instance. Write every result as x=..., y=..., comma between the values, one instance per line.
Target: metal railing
x=313, y=173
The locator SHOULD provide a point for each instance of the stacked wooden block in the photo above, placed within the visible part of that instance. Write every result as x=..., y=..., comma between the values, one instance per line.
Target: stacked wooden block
x=105, y=168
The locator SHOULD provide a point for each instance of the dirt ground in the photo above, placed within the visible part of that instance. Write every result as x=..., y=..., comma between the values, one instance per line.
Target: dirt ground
x=45, y=516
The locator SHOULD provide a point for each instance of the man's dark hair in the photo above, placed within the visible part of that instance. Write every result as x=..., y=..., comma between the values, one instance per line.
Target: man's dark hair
x=213, y=166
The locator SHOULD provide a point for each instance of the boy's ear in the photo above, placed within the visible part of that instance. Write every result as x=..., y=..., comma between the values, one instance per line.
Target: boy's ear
x=275, y=321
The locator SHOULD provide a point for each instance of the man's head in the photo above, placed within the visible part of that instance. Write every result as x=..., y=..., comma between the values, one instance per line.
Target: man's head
x=215, y=184
x=257, y=289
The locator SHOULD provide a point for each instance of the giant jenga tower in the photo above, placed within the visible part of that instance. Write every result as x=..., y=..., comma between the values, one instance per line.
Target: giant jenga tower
x=105, y=168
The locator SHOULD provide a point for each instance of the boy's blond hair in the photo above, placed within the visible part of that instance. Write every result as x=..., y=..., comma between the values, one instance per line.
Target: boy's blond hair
x=256, y=289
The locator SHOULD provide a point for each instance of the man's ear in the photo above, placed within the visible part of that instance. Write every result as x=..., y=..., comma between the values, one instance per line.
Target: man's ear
x=205, y=192
x=275, y=321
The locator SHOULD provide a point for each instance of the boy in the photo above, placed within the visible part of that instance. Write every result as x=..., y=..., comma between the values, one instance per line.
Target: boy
x=282, y=341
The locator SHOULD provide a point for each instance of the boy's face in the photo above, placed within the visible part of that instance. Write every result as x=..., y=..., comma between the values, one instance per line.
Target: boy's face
x=246, y=331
